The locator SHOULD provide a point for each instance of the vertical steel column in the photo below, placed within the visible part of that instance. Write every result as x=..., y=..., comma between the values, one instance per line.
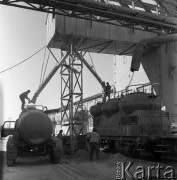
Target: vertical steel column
x=71, y=94
x=64, y=94
x=71, y=90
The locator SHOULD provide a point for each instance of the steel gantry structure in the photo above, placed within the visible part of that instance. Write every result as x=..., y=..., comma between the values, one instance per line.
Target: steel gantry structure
x=152, y=16
x=137, y=14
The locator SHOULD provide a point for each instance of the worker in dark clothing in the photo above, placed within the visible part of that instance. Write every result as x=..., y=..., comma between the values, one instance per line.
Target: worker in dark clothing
x=108, y=90
x=94, y=143
x=60, y=136
x=24, y=96
x=104, y=91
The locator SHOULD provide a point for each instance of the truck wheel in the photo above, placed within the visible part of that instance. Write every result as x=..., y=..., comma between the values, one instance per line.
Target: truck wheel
x=11, y=151
x=135, y=153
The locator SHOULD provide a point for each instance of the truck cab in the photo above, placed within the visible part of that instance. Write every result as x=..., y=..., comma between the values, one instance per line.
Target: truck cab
x=8, y=128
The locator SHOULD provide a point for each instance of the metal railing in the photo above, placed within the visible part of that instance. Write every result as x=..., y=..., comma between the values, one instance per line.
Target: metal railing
x=138, y=88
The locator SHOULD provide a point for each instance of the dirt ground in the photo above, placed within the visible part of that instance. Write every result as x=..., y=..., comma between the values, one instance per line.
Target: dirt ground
x=77, y=167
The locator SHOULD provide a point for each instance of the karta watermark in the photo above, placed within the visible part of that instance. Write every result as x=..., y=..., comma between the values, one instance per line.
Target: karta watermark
x=128, y=170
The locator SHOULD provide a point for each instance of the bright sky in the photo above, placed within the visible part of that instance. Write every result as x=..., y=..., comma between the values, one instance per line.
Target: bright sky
x=22, y=33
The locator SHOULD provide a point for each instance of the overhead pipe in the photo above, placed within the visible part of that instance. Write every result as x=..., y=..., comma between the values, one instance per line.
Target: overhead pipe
x=141, y=47
x=48, y=78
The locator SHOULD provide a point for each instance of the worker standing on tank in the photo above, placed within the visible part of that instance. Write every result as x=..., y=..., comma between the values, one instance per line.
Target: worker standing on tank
x=94, y=142
x=24, y=96
x=108, y=90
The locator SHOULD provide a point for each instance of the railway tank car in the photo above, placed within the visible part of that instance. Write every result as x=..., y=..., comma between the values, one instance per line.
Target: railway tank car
x=33, y=137
x=134, y=122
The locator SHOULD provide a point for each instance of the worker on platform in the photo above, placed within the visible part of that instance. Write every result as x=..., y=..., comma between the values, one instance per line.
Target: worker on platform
x=104, y=91
x=24, y=96
x=108, y=90
x=94, y=143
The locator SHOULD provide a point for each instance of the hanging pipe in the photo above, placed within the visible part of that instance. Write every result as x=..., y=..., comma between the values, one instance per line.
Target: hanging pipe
x=141, y=47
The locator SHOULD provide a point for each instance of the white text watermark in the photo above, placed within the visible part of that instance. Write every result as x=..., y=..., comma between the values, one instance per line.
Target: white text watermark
x=128, y=170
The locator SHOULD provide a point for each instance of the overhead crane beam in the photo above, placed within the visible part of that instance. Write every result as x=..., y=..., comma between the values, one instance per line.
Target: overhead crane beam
x=108, y=13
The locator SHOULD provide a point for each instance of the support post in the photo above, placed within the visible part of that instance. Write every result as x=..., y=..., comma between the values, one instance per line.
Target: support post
x=71, y=90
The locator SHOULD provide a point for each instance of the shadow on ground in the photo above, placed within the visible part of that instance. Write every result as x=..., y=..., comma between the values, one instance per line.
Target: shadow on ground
x=2, y=157
x=32, y=161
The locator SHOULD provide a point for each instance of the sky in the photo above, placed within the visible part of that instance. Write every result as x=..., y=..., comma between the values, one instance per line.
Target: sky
x=22, y=33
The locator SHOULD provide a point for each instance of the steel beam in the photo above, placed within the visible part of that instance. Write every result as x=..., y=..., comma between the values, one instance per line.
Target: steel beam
x=113, y=14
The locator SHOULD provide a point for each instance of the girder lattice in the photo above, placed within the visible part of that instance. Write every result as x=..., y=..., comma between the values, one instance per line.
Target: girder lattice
x=137, y=14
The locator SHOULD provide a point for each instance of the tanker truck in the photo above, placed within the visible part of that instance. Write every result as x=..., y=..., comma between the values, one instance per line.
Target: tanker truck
x=32, y=136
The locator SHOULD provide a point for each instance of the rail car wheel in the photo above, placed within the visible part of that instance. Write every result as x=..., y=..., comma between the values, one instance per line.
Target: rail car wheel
x=111, y=145
x=156, y=155
x=135, y=153
x=129, y=148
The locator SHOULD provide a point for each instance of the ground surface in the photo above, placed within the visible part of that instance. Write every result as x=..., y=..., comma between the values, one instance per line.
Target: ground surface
x=75, y=168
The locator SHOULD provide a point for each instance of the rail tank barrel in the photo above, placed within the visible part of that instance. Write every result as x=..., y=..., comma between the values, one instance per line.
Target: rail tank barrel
x=34, y=127
x=110, y=107
x=95, y=110
x=138, y=101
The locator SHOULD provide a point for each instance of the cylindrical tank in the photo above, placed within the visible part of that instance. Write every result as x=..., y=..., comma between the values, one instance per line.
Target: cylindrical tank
x=138, y=101
x=95, y=110
x=34, y=127
x=110, y=107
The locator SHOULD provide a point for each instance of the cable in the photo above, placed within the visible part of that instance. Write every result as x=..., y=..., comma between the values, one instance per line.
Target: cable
x=46, y=66
x=22, y=61
x=42, y=67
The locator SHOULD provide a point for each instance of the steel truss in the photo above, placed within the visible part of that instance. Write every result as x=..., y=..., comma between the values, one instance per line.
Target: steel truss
x=126, y=13
x=71, y=89
x=72, y=112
